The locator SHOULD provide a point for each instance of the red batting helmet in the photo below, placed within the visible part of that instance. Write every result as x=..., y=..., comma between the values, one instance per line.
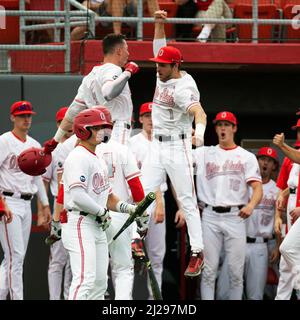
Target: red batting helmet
x=90, y=118
x=168, y=54
x=33, y=161
x=267, y=152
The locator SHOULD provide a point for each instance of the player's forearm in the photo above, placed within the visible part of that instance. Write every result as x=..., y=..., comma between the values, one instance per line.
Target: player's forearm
x=57, y=210
x=199, y=114
x=84, y=202
x=284, y=193
x=111, y=89
x=112, y=202
x=256, y=195
x=290, y=152
x=42, y=195
x=64, y=127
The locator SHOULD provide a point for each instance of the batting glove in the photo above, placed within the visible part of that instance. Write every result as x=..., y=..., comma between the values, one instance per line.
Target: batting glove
x=50, y=145
x=126, y=207
x=142, y=223
x=132, y=67
x=104, y=219
x=55, y=229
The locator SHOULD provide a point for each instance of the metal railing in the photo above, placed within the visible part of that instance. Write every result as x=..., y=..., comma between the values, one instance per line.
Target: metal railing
x=65, y=19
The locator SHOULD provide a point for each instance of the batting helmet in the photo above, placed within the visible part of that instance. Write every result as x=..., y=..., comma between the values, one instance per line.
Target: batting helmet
x=34, y=161
x=90, y=118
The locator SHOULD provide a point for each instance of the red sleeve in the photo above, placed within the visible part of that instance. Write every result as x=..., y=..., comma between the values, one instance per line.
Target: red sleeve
x=60, y=195
x=136, y=188
x=298, y=193
x=2, y=209
x=284, y=173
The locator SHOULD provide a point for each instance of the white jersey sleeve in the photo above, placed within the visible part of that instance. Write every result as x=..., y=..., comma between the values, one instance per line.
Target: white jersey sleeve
x=186, y=94
x=252, y=172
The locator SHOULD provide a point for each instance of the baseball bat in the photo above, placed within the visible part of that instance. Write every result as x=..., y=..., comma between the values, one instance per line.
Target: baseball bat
x=153, y=282
x=51, y=239
x=141, y=207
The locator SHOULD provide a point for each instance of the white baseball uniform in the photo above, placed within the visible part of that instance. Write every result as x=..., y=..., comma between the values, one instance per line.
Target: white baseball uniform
x=222, y=184
x=259, y=230
x=90, y=94
x=171, y=148
x=122, y=167
x=18, y=188
x=156, y=236
x=59, y=262
x=82, y=236
x=289, y=267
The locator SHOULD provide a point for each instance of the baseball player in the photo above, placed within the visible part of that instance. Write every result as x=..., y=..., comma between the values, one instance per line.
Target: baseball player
x=175, y=106
x=5, y=212
x=18, y=189
x=287, y=182
x=124, y=179
x=290, y=259
x=59, y=264
x=224, y=173
x=105, y=85
x=87, y=197
x=156, y=236
x=259, y=230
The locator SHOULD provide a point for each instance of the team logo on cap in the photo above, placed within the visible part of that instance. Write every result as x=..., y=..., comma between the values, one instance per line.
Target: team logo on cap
x=223, y=114
x=102, y=116
x=161, y=52
x=269, y=151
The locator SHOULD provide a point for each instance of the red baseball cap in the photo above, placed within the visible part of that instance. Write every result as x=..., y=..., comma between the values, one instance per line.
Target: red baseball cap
x=297, y=125
x=225, y=116
x=168, y=55
x=267, y=152
x=60, y=114
x=21, y=107
x=145, y=108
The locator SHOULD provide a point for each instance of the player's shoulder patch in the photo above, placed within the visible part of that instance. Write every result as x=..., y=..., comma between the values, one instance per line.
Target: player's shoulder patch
x=115, y=77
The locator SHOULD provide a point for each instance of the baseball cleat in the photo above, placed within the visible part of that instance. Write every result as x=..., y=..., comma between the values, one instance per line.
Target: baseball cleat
x=196, y=264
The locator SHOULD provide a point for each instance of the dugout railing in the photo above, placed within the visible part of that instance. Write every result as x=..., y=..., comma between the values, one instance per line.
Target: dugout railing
x=65, y=19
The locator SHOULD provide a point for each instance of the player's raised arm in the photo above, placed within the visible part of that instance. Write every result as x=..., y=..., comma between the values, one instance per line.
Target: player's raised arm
x=200, y=122
x=159, y=40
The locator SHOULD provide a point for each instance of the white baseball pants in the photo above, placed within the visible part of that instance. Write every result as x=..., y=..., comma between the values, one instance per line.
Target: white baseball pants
x=87, y=246
x=121, y=261
x=175, y=159
x=14, y=239
x=59, y=268
x=120, y=132
x=220, y=229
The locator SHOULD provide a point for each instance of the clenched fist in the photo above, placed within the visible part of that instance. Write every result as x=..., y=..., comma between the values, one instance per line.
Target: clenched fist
x=278, y=140
x=132, y=67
